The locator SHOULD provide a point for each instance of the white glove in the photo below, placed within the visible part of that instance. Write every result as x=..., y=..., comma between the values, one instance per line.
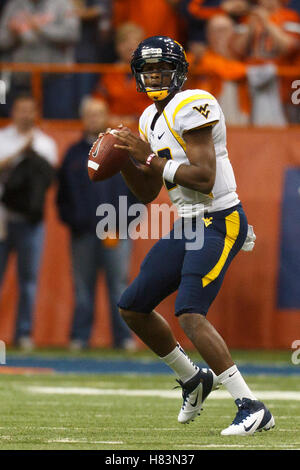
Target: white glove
x=250, y=239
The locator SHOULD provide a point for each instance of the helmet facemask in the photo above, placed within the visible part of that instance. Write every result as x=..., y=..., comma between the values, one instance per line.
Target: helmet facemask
x=163, y=87
x=161, y=90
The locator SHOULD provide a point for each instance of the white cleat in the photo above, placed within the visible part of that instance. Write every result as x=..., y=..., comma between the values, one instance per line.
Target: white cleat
x=252, y=416
x=194, y=392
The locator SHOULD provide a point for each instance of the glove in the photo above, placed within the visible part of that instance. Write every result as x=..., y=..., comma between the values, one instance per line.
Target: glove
x=250, y=239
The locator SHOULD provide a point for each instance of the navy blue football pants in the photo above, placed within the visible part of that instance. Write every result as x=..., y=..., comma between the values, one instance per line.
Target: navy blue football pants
x=196, y=274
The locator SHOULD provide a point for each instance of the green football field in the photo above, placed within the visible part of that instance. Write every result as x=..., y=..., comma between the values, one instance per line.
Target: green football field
x=135, y=412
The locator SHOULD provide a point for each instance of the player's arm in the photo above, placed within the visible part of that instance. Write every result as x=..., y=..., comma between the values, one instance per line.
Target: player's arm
x=200, y=174
x=144, y=182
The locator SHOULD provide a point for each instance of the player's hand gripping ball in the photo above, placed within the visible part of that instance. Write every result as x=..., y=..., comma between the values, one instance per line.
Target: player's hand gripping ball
x=104, y=159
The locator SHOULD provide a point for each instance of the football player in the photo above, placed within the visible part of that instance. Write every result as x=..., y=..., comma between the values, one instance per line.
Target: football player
x=182, y=144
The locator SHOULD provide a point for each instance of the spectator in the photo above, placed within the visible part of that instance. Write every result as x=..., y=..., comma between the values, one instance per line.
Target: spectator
x=271, y=33
x=119, y=90
x=271, y=36
x=38, y=31
x=199, y=12
x=95, y=44
x=95, y=36
x=266, y=103
x=78, y=199
x=26, y=159
x=226, y=77
x=2, y=5
x=155, y=17
x=293, y=5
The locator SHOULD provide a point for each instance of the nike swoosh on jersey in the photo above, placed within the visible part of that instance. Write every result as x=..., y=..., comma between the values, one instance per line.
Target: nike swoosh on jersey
x=160, y=136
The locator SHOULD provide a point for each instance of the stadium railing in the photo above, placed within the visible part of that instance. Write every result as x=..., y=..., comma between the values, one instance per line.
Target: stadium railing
x=38, y=70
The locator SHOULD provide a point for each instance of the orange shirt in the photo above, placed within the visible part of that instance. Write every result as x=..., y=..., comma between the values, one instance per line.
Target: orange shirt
x=284, y=15
x=263, y=48
x=156, y=17
x=120, y=93
x=226, y=69
x=219, y=69
x=202, y=12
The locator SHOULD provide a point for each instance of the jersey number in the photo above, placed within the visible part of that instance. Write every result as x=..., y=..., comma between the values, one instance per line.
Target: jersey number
x=166, y=153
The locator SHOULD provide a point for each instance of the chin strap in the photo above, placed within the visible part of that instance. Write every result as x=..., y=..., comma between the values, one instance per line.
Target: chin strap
x=157, y=95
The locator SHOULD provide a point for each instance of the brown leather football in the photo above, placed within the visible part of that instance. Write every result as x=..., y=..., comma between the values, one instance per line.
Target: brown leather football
x=104, y=159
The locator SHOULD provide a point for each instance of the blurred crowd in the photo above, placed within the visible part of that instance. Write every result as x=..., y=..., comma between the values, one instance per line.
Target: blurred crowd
x=237, y=50
x=28, y=168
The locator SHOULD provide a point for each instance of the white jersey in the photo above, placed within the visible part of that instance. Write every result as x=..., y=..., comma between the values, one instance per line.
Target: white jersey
x=165, y=133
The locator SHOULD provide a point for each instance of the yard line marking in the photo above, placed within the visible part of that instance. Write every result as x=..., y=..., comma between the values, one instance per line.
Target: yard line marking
x=283, y=429
x=161, y=429
x=82, y=441
x=235, y=445
x=289, y=417
x=216, y=395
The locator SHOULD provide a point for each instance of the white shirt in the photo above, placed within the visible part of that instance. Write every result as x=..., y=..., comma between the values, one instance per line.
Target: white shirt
x=12, y=141
x=187, y=110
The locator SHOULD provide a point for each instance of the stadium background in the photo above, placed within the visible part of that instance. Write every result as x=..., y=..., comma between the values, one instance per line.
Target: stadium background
x=258, y=306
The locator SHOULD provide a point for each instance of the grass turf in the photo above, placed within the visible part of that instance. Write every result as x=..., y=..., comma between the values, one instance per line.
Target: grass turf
x=31, y=421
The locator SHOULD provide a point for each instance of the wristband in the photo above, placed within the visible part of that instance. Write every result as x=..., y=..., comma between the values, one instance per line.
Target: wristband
x=170, y=169
x=150, y=158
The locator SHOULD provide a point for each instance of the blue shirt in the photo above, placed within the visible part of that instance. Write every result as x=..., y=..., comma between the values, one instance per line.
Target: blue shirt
x=78, y=197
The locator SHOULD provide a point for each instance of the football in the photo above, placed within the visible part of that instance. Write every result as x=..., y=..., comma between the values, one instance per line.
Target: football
x=104, y=159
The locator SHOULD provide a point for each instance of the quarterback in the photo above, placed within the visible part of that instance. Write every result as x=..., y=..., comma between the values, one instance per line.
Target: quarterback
x=182, y=145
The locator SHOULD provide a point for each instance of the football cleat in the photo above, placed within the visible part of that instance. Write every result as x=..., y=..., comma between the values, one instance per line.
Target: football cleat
x=194, y=392
x=252, y=416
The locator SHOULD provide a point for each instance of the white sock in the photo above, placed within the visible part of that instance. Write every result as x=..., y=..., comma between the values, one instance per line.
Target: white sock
x=181, y=364
x=235, y=384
